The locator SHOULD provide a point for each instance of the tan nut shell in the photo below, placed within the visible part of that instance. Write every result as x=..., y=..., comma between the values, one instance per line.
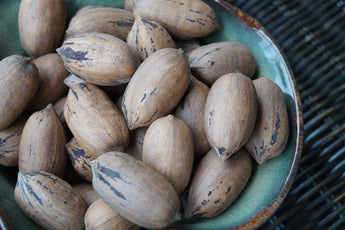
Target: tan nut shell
x=100, y=216
x=135, y=148
x=217, y=184
x=52, y=73
x=80, y=159
x=87, y=192
x=134, y=190
x=9, y=142
x=185, y=19
x=99, y=58
x=146, y=37
x=41, y=25
x=50, y=201
x=191, y=111
x=18, y=85
x=156, y=87
x=168, y=148
x=209, y=62
x=42, y=145
x=108, y=20
x=94, y=120
x=271, y=131
x=230, y=113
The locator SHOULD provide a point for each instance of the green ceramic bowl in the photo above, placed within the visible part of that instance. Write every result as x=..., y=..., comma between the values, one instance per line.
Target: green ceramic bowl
x=270, y=182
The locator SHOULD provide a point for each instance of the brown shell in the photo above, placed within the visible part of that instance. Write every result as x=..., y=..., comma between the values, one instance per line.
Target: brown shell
x=99, y=58
x=191, y=111
x=230, y=113
x=271, y=131
x=183, y=19
x=80, y=159
x=118, y=103
x=18, y=85
x=73, y=79
x=52, y=73
x=209, y=62
x=58, y=108
x=137, y=192
x=156, y=87
x=168, y=148
x=9, y=142
x=146, y=37
x=50, y=201
x=42, y=145
x=129, y=4
x=87, y=191
x=135, y=148
x=94, y=120
x=188, y=46
x=200, y=84
x=41, y=25
x=100, y=216
x=108, y=20
x=217, y=184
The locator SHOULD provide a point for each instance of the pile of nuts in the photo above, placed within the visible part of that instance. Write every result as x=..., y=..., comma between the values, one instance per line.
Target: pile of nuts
x=162, y=126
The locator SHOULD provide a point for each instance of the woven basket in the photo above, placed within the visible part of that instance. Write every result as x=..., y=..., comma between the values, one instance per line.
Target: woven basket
x=311, y=34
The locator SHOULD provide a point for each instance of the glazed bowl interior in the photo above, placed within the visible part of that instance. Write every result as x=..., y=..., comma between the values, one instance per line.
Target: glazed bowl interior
x=270, y=181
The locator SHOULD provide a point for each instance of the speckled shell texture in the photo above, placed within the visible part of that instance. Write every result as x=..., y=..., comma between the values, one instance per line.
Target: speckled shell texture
x=185, y=19
x=99, y=58
x=156, y=87
x=271, y=131
x=94, y=120
x=137, y=192
x=42, y=145
x=108, y=20
x=217, y=184
x=41, y=25
x=50, y=201
x=230, y=113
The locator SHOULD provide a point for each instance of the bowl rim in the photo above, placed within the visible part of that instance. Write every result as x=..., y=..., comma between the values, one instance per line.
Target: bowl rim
x=265, y=214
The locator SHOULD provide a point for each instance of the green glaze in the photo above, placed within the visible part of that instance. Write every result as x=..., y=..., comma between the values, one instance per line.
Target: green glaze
x=270, y=181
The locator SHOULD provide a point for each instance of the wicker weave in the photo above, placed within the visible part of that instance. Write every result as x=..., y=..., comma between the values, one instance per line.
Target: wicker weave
x=311, y=33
